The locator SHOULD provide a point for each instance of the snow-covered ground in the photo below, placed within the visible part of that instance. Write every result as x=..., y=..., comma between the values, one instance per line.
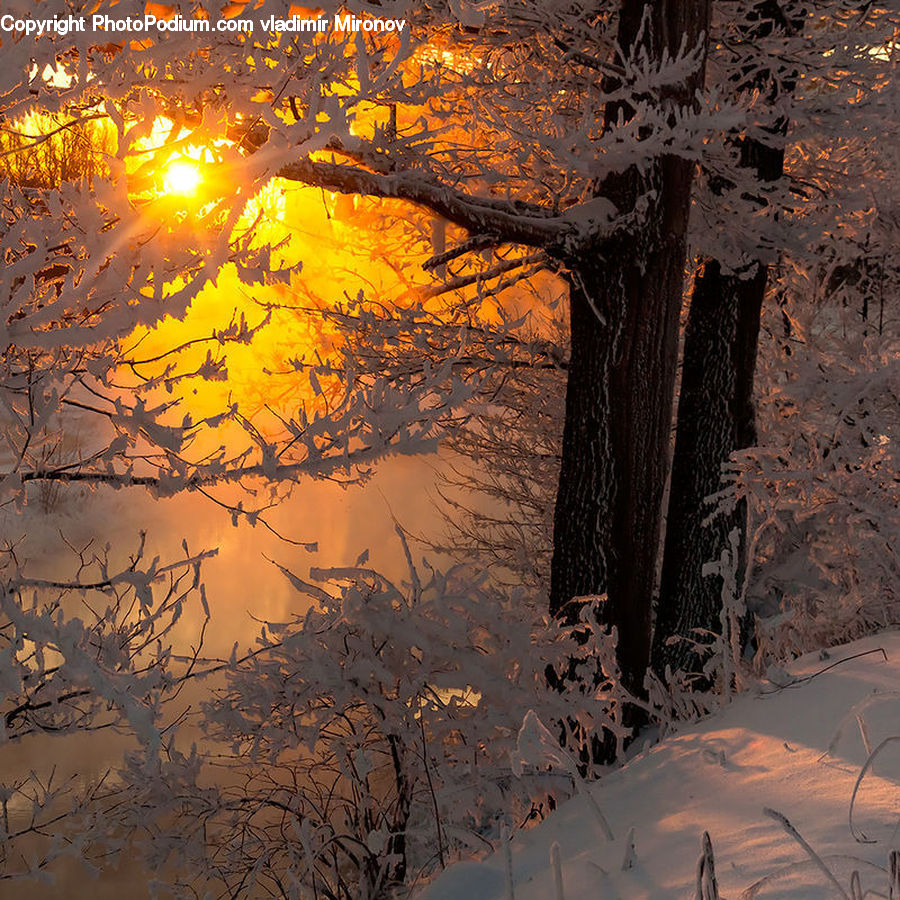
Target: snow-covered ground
x=797, y=747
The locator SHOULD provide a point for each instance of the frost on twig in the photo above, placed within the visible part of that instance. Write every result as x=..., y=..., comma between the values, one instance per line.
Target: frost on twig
x=536, y=746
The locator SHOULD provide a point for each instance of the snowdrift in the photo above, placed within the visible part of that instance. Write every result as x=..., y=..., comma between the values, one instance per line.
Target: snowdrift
x=797, y=745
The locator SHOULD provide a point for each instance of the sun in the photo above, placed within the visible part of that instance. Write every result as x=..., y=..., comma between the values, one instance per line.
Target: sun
x=182, y=177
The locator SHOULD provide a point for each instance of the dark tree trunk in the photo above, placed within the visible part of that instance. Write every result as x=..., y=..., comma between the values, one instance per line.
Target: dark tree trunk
x=715, y=418
x=715, y=411
x=624, y=312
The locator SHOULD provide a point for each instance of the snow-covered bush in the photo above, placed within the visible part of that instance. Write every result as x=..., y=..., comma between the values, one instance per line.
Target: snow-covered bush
x=82, y=657
x=822, y=485
x=364, y=744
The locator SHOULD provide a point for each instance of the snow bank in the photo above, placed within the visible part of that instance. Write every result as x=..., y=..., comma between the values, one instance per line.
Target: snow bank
x=797, y=746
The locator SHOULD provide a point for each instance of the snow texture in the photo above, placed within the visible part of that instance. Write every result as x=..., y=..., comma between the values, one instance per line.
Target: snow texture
x=797, y=748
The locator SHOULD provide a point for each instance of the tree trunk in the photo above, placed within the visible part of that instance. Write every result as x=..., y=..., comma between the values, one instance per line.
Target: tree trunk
x=715, y=418
x=715, y=412
x=624, y=313
x=624, y=326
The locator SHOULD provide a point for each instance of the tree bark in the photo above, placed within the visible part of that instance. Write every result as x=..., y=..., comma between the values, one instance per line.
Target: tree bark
x=715, y=418
x=715, y=413
x=624, y=312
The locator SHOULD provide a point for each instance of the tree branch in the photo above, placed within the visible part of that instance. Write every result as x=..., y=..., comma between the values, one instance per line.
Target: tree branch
x=530, y=225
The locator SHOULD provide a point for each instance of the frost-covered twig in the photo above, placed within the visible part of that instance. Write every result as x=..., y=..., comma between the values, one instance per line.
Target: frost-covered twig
x=870, y=761
x=707, y=886
x=537, y=746
x=786, y=825
x=556, y=869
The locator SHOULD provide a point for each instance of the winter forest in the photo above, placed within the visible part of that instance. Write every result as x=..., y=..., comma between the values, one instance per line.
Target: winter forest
x=450, y=449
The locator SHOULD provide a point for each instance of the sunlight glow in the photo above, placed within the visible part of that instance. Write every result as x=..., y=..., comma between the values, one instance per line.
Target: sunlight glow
x=182, y=177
